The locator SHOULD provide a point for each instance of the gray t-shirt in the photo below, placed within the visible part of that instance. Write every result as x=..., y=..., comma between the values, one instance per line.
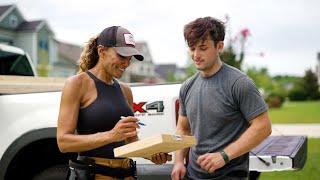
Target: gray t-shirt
x=219, y=109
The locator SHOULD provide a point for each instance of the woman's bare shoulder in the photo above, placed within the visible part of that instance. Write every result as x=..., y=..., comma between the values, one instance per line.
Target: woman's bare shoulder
x=77, y=82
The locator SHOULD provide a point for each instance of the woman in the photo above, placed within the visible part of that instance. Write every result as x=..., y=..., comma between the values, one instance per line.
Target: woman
x=93, y=102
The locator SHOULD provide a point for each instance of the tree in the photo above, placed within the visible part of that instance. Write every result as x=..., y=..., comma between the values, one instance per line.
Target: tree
x=190, y=69
x=310, y=84
x=228, y=56
x=274, y=92
x=171, y=77
x=306, y=89
x=297, y=94
x=261, y=78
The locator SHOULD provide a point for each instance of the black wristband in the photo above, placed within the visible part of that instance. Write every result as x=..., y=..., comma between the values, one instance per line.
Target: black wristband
x=224, y=156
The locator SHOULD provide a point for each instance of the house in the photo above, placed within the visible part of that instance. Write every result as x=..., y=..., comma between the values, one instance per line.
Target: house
x=171, y=72
x=55, y=58
x=141, y=71
x=67, y=62
x=35, y=37
x=138, y=71
x=50, y=56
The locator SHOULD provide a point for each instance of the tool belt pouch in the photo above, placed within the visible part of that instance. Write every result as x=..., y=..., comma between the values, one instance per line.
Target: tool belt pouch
x=118, y=173
x=81, y=170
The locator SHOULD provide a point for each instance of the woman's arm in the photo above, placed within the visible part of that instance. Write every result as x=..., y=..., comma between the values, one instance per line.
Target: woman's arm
x=67, y=140
x=127, y=93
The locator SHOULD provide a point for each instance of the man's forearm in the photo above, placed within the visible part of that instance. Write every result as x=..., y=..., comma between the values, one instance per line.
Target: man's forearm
x=183, y=128
x=180, y=155
x=253, y=136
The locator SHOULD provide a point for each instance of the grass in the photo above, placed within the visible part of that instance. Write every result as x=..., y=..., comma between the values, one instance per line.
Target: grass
x=311, y=170
x=296, y=112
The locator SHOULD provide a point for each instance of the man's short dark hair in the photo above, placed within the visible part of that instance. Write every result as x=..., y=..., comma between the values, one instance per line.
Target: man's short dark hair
x=199, y=29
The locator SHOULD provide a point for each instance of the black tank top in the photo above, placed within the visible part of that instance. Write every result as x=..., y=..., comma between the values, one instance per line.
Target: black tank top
x=103, y=114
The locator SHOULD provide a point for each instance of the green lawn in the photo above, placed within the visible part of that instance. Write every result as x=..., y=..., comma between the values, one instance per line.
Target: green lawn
x=311, y=170
x=296, y=112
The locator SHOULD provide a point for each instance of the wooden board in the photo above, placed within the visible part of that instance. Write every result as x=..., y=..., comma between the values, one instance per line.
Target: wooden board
x=159, y=143
x=29, y=84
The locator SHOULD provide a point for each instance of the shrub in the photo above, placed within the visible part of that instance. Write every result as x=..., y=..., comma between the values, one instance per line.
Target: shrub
x=275, y=100
x=298, y=94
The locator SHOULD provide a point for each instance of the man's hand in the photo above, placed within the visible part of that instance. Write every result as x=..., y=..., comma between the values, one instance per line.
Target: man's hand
x=211, y=161
x=178, y=171
x=160, y=158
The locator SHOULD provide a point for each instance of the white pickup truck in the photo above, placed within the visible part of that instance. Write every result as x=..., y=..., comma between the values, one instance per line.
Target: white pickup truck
x=28, y=121
x=29, y=148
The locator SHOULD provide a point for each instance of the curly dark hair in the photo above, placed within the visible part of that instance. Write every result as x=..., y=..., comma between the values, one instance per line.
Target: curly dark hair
x=89, y=56
x=199, y=29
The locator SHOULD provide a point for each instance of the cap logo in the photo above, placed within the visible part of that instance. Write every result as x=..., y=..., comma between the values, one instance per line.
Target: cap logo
x=128, y=38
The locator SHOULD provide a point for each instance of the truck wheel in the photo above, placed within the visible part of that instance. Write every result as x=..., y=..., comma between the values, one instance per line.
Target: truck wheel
x=58, y=172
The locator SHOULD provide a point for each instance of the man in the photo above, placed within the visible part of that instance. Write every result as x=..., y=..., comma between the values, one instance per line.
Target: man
x=221, y=107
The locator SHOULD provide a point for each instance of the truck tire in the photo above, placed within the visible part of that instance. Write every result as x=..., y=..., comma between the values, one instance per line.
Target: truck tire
x=58, y=172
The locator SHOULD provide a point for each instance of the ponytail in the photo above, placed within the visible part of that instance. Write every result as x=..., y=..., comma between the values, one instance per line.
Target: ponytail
x=89, y=56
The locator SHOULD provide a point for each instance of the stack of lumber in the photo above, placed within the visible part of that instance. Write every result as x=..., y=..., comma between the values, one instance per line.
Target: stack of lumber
x=29, y=84
x=155, y=144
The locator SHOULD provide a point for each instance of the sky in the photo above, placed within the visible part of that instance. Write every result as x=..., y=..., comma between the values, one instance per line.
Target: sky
x=287, y=32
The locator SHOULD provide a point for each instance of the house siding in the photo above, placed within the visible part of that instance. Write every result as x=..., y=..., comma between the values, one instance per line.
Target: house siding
x=43, y=46
x=7, y=36
x=12, y=20
x=24, y=40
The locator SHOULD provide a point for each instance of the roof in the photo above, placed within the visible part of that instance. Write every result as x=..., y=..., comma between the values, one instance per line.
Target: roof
x=3, y=9
x=25, y=25
x=69, y=51
x=164, y=69
x=29, y=25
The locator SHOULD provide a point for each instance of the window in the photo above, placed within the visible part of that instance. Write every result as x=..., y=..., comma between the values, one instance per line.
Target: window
x=13, y=21
x=43, y=44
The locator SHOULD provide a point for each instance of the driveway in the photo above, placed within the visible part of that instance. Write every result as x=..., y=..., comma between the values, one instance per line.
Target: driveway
x=310, y=130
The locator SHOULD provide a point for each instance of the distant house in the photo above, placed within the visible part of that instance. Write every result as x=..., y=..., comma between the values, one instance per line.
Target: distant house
x=56, y=58
x=141, y=71
x=67, y=62
x=165, y=70
x=37, y=39
x=170, y=72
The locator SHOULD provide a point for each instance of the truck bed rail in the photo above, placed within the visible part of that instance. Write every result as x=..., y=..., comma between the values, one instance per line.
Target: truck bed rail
x=29, y=84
